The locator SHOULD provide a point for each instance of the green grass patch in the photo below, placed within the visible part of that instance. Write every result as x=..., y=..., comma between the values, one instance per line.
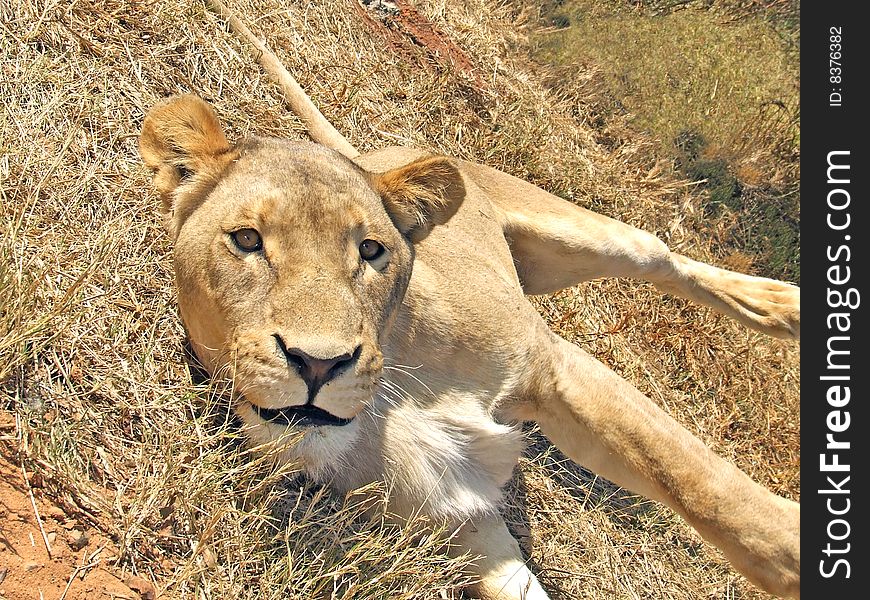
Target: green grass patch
x=716, y=83
x=678, y=70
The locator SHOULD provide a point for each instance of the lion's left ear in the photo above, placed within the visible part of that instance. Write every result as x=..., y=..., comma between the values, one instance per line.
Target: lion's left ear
x=421, y=194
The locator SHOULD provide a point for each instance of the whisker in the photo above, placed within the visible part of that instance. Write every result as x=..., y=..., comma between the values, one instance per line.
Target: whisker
x=391, y=396
x=395, y=364
x=372, y=409
x=411, y=375
x=395, y=397
x=407, y=396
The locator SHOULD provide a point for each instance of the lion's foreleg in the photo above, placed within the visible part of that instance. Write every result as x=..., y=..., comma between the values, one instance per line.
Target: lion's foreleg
x=605, y=424
x=556, y=244
x=500, y=572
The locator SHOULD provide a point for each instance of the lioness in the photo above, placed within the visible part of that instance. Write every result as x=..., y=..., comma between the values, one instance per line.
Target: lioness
x=375, y=309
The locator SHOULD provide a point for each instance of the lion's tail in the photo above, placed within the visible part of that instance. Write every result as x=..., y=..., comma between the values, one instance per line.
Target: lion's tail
x=320, y=130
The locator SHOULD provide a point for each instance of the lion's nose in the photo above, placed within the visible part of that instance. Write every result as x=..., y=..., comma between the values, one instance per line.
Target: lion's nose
x=317, y=372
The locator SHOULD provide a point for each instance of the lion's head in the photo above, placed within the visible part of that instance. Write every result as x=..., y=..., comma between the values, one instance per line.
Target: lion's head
x=291, y=261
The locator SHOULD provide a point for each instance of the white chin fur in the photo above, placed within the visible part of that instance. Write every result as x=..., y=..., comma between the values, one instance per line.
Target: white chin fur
x=318, y=451
x=448, y=464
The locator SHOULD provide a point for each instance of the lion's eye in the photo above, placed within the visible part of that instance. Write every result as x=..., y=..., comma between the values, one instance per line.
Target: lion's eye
x=248, y=240
x=370, y=250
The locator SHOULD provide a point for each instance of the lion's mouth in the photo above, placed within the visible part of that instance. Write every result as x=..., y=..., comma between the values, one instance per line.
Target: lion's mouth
x=300, y=416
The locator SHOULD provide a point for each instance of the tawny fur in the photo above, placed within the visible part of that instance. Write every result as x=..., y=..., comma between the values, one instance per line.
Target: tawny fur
x=449, y=355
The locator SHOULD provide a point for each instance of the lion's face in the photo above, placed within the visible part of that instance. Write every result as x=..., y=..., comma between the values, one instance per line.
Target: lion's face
x=291, y=261
x=289, y=274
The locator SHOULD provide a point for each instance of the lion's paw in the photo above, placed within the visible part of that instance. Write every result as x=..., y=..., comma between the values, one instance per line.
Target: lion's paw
x=767, y=305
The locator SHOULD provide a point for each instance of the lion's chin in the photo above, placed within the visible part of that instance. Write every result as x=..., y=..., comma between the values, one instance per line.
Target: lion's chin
x=315, y=449
x=306, y=415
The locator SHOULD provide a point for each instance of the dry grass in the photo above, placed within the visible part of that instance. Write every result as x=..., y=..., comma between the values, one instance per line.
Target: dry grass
x=91, y=347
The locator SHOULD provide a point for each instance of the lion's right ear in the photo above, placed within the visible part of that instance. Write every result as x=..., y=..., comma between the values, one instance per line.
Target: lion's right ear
x=182, y=142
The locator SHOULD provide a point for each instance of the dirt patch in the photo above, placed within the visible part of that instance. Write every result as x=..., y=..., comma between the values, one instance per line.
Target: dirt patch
x=404, y=28
x=76, y=566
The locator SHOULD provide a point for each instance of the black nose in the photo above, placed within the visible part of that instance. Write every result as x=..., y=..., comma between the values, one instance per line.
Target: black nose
x=317, y=372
